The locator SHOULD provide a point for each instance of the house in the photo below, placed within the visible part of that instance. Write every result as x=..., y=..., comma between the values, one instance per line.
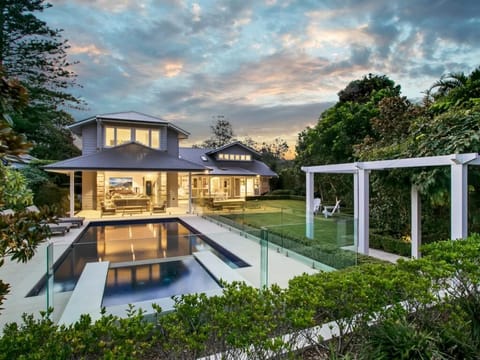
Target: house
x=130, y=159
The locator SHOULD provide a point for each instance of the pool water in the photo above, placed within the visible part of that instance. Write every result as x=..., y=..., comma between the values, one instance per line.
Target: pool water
x=126, y=285
x=147, y=258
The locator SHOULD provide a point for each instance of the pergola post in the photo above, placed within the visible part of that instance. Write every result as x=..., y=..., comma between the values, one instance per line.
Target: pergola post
x=72, y=192
x=309, y=231
x=363, y=210
x=459, y=200
x=416, y=222
x=355, y=210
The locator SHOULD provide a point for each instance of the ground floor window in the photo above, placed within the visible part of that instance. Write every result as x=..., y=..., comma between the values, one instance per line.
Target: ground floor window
x=218, y=187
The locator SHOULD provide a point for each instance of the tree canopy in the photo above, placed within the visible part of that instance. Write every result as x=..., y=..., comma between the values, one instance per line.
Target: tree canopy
x=36, y=55
x=21, y=232
x=373, y=121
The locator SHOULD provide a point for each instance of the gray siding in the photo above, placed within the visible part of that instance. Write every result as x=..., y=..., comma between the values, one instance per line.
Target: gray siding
x=89, y=139
x=172, y=142
x=163, y=138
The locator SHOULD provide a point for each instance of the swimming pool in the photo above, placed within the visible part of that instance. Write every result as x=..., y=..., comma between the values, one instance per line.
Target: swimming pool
x=150, y=257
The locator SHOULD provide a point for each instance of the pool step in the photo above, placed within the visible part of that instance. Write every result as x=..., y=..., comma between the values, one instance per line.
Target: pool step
x=217, y=268
x=87, y=295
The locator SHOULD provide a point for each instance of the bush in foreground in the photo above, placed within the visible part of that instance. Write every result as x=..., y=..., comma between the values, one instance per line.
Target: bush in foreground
x=423, y=309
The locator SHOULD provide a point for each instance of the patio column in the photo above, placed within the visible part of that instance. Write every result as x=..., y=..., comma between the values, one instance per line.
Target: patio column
x=363, y=211
x=309, y=205
x=189, y=192
x=459, y=201
x=72, y=193
x=416, y=222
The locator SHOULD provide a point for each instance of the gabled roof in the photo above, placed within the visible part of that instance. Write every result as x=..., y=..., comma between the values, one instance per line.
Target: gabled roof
x=126, y=157
x=233, y=144
x=127, y=117
x=241, y=168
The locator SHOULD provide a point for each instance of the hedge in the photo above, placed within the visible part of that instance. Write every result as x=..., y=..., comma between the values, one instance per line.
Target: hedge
x=433, y=305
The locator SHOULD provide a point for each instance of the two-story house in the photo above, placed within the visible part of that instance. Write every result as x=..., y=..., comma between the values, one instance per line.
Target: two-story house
x=133, y=158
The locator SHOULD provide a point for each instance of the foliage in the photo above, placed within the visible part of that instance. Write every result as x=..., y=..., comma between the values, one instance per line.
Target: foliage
x=13, y=97
x=20, y=235
x=360, y=91
x=455, y=90
x=36, y=55
x=422, y=309
x=372, y=121
x=22, y=232
x=14, y=192
x=340, y=128
x=109, y=337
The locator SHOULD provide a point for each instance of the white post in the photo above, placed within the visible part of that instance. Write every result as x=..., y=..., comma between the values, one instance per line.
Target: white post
x=72, y=193
x=309, y=205
x=459, y=201
x=355, y=210
x=363, y=211
x=416, y=223
x=189, y=192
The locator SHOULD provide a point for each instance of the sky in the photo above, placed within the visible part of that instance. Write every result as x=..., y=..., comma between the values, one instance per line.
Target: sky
x=269, y=67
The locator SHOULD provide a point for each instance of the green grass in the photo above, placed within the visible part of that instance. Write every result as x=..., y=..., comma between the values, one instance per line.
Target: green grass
x=286, y=225
x=287, y=217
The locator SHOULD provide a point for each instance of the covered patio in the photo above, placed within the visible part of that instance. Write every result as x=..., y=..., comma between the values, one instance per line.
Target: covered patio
x=361, y=170
x=131, y=176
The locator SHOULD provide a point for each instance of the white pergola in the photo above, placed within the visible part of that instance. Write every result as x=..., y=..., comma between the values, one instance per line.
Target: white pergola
x=361, y=170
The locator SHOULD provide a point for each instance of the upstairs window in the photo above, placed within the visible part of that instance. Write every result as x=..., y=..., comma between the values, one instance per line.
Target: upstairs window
x=148, y=137
x=116, y=136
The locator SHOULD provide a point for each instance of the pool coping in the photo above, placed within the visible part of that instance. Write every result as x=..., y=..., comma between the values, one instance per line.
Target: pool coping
x=88, y=294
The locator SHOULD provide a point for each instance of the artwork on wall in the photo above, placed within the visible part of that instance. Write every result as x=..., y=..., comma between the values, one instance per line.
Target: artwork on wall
x=120, y=185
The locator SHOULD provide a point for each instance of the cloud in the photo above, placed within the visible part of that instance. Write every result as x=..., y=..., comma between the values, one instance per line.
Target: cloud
x=270, y=67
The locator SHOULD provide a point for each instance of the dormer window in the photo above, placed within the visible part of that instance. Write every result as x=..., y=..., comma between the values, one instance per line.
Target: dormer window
x=148, y=137
x=234, y=157
x=115, y=136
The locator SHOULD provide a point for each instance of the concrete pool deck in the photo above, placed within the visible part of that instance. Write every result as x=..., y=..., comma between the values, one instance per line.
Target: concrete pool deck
x=22, y=277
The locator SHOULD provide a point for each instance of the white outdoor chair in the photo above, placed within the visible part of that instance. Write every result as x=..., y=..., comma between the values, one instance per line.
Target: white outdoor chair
x=317, y=203
x=330, y=210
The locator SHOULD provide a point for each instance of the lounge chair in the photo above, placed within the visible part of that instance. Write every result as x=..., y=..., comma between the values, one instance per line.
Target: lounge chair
x=108, y=208
x=330, y=210
x=54, y=228
x=58, y=228
x=159, y=208
x=317, y=203
x=75, y=221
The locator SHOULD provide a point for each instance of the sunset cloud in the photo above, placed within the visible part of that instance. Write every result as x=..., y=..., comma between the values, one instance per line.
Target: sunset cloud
x=270, y=67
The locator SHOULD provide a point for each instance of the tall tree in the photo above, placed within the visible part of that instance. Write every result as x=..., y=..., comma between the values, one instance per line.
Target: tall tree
x=222, y=133
x=340, y=128
x=36, y=55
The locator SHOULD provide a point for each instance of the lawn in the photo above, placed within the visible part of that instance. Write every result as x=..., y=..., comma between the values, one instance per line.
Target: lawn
x=285, y=222
x=288, y=217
